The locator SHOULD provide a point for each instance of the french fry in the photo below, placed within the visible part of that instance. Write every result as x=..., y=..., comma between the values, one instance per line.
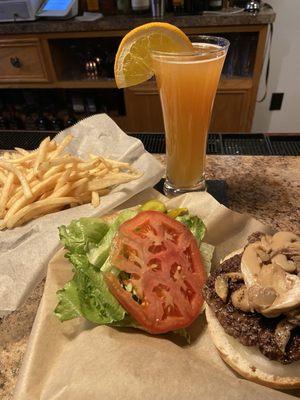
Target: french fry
x=63, y=179
x=62, y=191
x=41, y=154
x=95, y=199
x=5, y=192
x=21, y=151
x=21, y=177
x=61, y=146
x=49, y=179
x=110, y=180
x=38, y=190
x=38, y=205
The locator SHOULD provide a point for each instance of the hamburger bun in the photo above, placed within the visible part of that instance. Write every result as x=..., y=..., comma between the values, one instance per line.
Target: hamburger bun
x=249, y=362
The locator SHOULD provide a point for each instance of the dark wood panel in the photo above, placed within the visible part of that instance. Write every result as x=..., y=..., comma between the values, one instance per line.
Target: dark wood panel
x=230, y=112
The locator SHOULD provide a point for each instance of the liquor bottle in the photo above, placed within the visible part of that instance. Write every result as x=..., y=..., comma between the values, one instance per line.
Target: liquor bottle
x=92, y=6
x=108, y=7
x=123, y=6
x=56, y=124
x=71, y=119
x=3, y=123
x=140, y=6
x=215, y=5
x=30, y=120
x=3, y=117
x=15, y=122
x=178, y=7
x=169, y=6
x=42, y=123
x=193, y=7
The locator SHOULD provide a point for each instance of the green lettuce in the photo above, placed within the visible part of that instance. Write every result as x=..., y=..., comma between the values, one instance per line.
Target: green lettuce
x=87, y=294
x=88, y=241
x=195, y=225
x=98, y=255
x=83, y=234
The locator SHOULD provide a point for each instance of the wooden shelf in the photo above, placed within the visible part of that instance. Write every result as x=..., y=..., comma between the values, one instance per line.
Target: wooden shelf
x=82, y=84
x=235, y=83
x=87, y=84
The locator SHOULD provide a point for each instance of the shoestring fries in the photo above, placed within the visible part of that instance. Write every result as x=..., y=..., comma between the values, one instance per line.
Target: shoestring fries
x=49, y=179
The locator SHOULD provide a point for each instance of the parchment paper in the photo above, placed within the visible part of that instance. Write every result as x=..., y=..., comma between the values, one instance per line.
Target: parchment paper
x=25, y=251
x=77, y=360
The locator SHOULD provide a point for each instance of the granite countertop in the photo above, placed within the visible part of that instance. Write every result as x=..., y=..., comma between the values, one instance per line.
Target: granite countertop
x=127, y=22
x=265, y=187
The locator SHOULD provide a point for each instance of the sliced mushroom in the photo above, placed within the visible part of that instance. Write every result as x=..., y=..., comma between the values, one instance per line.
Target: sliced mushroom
x=251, y=264
x=283, y=333
x=221, y=288
x=260, y=297
x=221, y=283
x=284, y=263
x=240, y=299
x=296, y=260
x=283, y=239
x=265, y=257
x=274, y=284
x=266, y=243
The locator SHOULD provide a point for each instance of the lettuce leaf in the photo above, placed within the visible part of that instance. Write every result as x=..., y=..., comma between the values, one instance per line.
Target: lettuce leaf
x=87, y=295
x=195, y=225
x=69, y=302
x=98, y=255
x=88, y=241
x=82, y=234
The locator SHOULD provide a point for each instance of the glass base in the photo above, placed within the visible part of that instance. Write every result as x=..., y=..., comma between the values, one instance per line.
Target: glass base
x=171, y=190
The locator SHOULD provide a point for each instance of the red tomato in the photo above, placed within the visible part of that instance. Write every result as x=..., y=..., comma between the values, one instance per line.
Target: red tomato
x=163, y=265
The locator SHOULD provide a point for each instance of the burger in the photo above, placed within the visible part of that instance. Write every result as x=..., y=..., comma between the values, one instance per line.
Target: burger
x=253, y=309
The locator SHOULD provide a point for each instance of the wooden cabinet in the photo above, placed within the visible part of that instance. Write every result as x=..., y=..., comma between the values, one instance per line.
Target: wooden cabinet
x=143, y=108
x=27, y=61
x=230, y=112
x=22, y=61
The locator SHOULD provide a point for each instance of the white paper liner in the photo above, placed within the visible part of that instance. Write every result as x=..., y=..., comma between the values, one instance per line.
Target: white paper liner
x=25, y=251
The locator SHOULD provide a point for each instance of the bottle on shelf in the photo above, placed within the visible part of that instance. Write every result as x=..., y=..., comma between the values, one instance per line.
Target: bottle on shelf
x=140, y=6
x=108, y=7
x=194, y=6
x=15, y=122
x=169, y=6
x=3, y=123
x=42, y=123
x=3, y=117
x=92, y=6
x=56, y=124
x=71, y=119
x=215, y=5
x=178, y=7
x=30, y=117
x=124, y=6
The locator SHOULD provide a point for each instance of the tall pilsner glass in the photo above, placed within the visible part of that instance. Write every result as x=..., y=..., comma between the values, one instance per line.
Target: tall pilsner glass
x=187, y=84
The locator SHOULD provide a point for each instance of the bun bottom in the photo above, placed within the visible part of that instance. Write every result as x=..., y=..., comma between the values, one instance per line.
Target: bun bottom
x=249, y=362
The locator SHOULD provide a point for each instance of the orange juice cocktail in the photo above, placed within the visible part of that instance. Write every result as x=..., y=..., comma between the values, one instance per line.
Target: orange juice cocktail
x=187, y=84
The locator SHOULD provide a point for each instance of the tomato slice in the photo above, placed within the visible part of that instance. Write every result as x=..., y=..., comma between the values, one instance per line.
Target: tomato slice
x=163, y=265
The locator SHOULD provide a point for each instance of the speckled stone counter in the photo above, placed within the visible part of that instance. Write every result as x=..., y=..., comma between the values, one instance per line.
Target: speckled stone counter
x=127, y=22
x=268, y=188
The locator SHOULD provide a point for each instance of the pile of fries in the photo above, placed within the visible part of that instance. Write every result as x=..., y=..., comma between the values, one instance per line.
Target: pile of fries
x=49, y=179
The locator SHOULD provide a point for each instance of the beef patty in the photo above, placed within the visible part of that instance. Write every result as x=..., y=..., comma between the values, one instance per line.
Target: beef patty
x=251, y=329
